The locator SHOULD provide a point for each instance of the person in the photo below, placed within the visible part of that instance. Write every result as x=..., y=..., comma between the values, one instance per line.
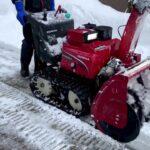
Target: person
x=23, y=7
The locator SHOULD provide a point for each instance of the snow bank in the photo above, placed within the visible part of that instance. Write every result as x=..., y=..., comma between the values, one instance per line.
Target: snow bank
x=83, y=11
x=10, y=29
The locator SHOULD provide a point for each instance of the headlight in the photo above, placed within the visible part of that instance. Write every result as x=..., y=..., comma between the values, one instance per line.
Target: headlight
x=90, y=36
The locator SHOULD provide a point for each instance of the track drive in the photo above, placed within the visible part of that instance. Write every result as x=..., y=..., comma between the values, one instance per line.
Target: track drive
x=63, y=91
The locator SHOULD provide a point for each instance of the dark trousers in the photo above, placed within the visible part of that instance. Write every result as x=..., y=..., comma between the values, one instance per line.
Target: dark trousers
x=27, y=47
x=27, y=51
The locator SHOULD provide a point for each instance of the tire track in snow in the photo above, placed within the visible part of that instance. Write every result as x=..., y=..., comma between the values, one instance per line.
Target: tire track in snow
x=47, y=127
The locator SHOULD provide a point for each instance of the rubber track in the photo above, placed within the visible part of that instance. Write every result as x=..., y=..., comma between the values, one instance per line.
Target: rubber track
x=29, y=118
x=63, y=82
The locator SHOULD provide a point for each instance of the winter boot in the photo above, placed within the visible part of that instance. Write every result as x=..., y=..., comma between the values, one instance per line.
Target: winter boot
x=24, y=73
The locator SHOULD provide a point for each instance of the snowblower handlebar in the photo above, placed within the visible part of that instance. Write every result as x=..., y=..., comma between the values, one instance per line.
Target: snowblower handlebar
x=60, y=10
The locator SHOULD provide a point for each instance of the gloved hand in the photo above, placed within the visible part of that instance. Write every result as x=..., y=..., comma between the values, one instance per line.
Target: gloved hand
x=21, y=14
x=52, y=5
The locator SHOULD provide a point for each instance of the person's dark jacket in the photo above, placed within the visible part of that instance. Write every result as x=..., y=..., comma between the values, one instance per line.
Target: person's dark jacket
x=37, y=5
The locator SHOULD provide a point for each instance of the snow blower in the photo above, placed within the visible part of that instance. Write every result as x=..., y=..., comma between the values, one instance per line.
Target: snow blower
x=84, y=70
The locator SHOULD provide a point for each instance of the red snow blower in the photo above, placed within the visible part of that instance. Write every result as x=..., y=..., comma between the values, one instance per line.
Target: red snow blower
x=85, y=69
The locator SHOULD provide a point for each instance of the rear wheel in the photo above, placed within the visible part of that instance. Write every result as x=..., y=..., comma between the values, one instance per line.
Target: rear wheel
x=44, y=86
x=78, y=96
x=41, y=87
x=74, y=101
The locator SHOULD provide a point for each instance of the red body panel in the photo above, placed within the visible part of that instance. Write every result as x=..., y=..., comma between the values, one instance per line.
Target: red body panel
x=77, y=36
x=130, y=37
x=86, y=59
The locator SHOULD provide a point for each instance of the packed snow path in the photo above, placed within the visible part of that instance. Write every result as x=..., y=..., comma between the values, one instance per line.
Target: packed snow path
x=10, y=68
x=45, y=127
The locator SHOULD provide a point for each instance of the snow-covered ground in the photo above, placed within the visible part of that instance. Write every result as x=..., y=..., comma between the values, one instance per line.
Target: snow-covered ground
x=82, y=11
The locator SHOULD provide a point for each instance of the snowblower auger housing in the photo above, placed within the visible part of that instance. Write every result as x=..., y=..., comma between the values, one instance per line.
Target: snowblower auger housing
x=88, y=74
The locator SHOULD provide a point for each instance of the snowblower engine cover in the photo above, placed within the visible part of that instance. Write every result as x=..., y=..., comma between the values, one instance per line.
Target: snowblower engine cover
x=84, y=54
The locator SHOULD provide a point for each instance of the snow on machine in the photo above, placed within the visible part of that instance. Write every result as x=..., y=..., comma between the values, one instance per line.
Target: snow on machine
x=84, y=70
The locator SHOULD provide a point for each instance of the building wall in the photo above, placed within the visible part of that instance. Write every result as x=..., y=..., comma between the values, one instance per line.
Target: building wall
x=120, y=5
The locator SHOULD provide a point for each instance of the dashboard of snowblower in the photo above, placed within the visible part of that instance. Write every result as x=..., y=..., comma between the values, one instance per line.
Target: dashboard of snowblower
x=51, y=25
x=49, y=31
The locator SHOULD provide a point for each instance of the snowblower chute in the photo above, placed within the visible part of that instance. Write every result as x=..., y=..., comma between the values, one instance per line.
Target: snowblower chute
x=85, y=69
